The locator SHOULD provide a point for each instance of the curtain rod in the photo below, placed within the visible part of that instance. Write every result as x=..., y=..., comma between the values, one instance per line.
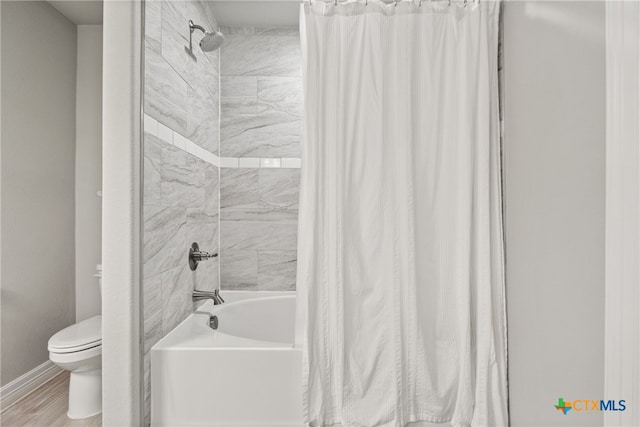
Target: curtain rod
x=395, y=2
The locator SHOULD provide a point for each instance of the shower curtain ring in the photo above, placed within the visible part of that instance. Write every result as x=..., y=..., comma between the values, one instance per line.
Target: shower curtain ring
x=395, y=3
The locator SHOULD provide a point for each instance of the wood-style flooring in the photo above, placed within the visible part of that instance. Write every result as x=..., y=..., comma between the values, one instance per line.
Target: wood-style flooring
x=46, y=407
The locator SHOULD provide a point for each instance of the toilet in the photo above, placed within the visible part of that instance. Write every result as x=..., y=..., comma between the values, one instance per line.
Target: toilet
x=78, y=349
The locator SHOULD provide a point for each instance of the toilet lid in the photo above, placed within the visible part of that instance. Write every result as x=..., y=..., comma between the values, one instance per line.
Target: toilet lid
x=80, y=336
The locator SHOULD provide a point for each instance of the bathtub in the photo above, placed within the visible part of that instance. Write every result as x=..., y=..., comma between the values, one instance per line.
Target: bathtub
x=247, y=372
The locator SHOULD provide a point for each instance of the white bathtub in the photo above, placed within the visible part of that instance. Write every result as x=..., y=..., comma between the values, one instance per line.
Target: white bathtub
x=245, y=373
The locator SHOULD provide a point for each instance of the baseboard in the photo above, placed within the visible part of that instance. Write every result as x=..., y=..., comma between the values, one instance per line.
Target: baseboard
x=25, y=384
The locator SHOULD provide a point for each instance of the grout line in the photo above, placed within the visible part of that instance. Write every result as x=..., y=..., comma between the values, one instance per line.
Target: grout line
x=171, y=137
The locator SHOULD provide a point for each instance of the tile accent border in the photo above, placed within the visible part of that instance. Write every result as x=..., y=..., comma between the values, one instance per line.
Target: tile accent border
x=261, y=162
x=171, y=137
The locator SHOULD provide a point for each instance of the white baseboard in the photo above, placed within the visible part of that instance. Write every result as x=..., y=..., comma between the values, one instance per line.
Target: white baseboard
x=25, y=384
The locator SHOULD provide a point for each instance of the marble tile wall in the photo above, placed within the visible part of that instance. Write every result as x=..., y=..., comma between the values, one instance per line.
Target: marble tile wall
x=261, y=92
x=181, y=176
x=261, y=110
x=258, y=228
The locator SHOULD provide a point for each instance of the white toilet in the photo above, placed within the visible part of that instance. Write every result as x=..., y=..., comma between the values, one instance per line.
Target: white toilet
x=78, y=349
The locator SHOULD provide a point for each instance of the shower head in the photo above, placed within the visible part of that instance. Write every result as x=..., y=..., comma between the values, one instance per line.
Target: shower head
x=208, y=43
x=211, y=41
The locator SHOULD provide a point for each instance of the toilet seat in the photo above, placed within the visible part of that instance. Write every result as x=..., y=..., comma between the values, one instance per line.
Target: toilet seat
x=81, y=336
x=75, y=356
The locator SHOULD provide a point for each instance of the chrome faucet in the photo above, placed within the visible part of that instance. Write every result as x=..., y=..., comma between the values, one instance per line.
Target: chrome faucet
x=201, y=295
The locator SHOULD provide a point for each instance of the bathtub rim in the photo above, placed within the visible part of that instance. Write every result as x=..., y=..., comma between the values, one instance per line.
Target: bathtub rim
x=227, y=342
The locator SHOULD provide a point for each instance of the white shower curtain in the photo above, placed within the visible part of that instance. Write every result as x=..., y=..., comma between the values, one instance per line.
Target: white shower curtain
x=400, y=264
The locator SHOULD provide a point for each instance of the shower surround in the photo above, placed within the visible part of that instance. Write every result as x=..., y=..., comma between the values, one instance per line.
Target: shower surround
x=260, y=124
x=221, y=162
x=181, y=147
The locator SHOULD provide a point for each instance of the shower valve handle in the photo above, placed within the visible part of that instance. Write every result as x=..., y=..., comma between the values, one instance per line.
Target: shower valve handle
x=196, y=255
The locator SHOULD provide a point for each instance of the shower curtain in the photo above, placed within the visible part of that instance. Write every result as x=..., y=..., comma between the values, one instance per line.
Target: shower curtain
x=400, y=263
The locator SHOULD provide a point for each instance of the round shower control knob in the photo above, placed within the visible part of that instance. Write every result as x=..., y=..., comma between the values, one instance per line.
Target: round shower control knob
x=196, y=255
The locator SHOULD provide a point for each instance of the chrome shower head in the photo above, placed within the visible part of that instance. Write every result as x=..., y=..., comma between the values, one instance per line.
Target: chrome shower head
x=211, y=41
x=208, y=43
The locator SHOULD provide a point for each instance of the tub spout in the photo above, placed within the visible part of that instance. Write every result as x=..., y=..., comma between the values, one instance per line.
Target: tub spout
x=201, y=295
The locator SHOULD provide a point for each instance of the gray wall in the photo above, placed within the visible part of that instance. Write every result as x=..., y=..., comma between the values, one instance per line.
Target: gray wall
x=88, y=170
x=554, y=153
x=38, y=164
x=181, y=195
x=261, y=88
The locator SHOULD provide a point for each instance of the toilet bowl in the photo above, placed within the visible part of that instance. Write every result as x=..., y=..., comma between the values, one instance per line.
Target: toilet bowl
x=78, y=349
